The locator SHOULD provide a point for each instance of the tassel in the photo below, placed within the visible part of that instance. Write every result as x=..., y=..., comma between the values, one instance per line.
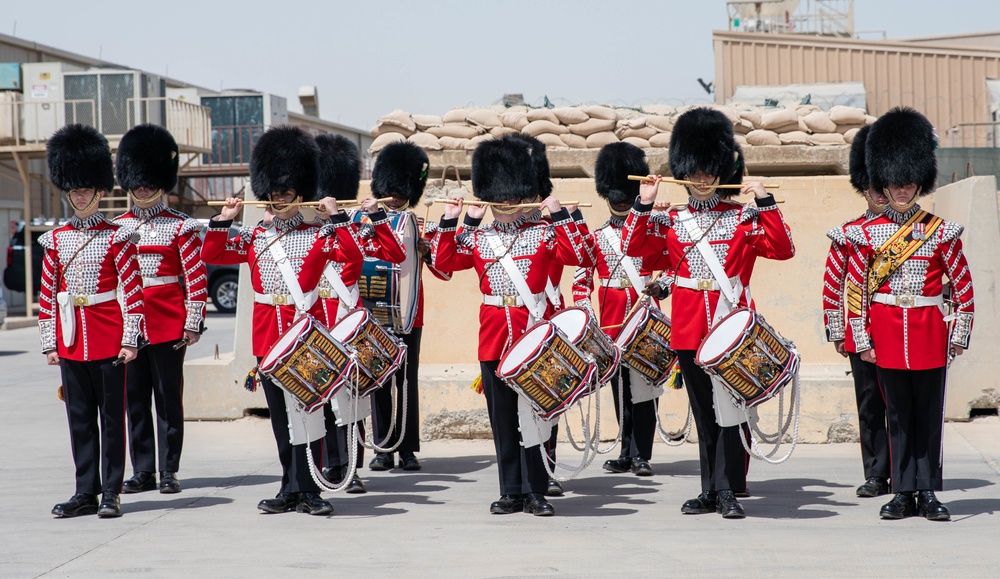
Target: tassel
x=477, y=385
x=676, y=380
x=251, y=382
x=59, y=393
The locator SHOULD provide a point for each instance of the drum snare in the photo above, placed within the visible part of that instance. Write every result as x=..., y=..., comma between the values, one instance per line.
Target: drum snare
x=645, y=343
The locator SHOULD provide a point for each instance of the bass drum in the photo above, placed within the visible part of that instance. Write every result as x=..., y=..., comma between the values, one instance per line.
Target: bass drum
x=390, y=291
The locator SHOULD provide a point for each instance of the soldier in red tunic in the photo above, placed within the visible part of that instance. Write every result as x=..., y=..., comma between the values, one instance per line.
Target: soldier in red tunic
x=340, y=178
x=503, y=172
x=621, y=279
x=175, y=292
x=398, y=181
x=89, y=267
x=842, y=291
x=902, y=329
x=283, y=169
x=708, y=234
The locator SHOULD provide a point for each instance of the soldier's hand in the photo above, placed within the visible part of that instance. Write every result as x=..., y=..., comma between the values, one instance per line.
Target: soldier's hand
x=328, y=205
x=128, y=353
x=52, y=358
x=868, y=356
x=423, y=246
x=647, y=189
x=654, y=290
x=453, y=210
x=477, y=211
x=191, y=337
x=839, y=345
x=232, y=209
x=369, y=205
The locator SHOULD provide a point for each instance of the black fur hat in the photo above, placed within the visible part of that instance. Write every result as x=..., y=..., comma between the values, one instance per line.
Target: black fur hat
x=615, y=163
x=540, y=162
x=339, y=167
x=856, y=165
x=502, y=170
x=79, y=158
x=401, y=170
x=702, y=141
x=899, y=150
x=147, y=157
x=285, y=157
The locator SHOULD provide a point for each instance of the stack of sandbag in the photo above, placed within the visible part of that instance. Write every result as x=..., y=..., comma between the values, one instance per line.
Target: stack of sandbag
x=593, y=126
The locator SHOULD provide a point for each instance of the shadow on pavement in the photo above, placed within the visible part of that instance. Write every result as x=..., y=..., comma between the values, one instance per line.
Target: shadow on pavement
x=193, y=502
x=793, y=499
x=229, y=481
x=965, y=484
x=376, y=504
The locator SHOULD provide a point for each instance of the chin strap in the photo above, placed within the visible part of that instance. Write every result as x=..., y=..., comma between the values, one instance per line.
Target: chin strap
x=93, y=203
x=902, y=208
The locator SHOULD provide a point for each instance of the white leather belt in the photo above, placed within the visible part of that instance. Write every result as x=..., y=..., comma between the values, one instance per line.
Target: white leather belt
x=157, y=281
x=283, y=299
x=330, y=293
x=508, y=301
x=907, y=301
x=82, y=301
x=703, y=285
x=623, y=282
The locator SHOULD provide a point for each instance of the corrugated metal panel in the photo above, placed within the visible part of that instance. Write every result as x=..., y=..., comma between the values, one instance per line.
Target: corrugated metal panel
x=947, y=83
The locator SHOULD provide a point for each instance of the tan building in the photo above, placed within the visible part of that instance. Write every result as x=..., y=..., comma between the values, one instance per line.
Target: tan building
x=947, y=78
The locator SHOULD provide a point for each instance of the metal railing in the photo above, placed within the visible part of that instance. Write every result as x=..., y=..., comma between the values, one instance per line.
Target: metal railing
x=190, y=124
x=232, y=145
x=32, y=123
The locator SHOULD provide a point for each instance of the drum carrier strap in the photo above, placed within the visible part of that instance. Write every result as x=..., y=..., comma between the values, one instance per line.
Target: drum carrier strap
x=536, y=308
x=285, y=268
x=627, y=263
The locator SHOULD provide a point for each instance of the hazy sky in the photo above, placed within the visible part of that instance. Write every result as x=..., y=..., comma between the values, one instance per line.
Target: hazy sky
x=372, y=56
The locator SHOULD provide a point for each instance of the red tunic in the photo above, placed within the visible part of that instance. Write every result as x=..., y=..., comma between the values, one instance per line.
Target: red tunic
x=534, y=244
x=106, y=263
x=739, y=236
x=169, y=247
x=616, y=301
x=842, y=258
x=913, y=338
x=377, y=240
x=556, y=301
x=307, y=254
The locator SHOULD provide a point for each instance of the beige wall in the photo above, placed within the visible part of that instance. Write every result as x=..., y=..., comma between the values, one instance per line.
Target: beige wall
x=948, y=84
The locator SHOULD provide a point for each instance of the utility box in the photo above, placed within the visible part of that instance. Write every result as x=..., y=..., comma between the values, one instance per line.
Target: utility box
x=10, y=76
x=45, y=109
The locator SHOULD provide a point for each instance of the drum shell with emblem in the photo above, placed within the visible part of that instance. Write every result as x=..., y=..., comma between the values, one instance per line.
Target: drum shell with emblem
x=308, y=363
x=379, y=353
x=585, y=333
x=644, y=340
x=752, y=360
x=547, y=370
x=390, y=290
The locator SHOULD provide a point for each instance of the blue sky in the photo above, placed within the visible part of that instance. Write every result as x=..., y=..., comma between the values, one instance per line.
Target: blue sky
x=371, y=57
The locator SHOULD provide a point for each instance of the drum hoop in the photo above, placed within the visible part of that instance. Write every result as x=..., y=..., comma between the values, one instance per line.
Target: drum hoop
x=550, y=327
x=623, y=339
x=741, y=337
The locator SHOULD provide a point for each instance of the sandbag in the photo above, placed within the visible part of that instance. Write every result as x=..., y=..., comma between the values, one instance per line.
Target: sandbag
x=425, y=141
x=514, y=120
x=399, y=118
x=502, y=131
x=543, y=115
x=849, y=135
x=570, y=115
x=598, y=140
x=664, y=124
x=779, y=119
x=458, y=131
x=425, y=122
x=762, y=137
x=644, y=133
x=455, y=116
x=599, y=112
x=574, y=141
x=594, y=125
x=540, y=126
x=550, y=139
x=794, y=138
x=660, y=140
x=819, y=122
x=844, y=128
x=383, y=140
x=847, y=115
x=474, y=142
x=641, y=143
x=453, y=143
x=383, y=128
x=828, y=139
x=484, y=118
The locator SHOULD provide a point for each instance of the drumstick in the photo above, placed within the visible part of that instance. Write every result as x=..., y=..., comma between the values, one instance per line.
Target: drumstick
x=681, y=182
x=427, y=215
x=520, y=206
x=298, y=204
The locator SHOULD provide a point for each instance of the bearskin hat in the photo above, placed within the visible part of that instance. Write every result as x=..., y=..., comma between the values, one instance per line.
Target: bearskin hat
x=285, y=157
x=615, y=163
x=899, y=150
x=540, y=162
x=503, y=170
x=79, y=158
x=856, y=165
x=147, y=157
x=339, y=167
x=702, y=141
x=400, y=170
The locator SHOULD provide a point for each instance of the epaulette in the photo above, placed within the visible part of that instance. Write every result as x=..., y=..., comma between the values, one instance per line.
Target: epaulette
x=837, y=234
x=47, y=240
x=189, y=225
x=950, y=230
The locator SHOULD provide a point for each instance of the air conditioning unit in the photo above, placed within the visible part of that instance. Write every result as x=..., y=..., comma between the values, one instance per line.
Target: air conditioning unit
x=9, y=116
x=10, y=76
x=123, y=98
x=45, y=109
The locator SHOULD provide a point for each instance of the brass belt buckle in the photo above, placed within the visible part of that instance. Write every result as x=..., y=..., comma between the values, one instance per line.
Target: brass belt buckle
x=324, y=293
x=81, y=301
x=705, y=285
x=905, y=301
x=279, y=299
x=624, y=283
x=510, y=301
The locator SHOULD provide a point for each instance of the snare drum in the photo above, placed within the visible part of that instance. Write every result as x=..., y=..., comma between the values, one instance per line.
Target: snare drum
x=308, y=363
x=379, y=353
x=748, y=356
x=585, y=333
x=390, y=290
x=547, y=370
x=645, y=343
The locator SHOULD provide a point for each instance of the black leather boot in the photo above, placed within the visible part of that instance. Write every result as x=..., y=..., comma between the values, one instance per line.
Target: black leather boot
x=930, y=508
x=901, y=506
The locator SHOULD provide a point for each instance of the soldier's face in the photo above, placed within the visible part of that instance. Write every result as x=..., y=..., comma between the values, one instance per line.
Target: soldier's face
x=902, y=195
x=281, y=199
x=84, y=201
x=706, y=185
x=146, y=195
x=395, y=203
x=877, y=201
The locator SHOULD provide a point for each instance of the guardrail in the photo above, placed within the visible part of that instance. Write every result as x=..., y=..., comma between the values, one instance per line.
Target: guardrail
x=32, y=123
x=984, y=134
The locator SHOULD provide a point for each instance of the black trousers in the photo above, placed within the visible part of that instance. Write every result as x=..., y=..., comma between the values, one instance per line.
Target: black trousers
x=295, y=475
x=156, y=376
x=335, y=452
x=94, y=393
x=915, y=412
x=382, y=401
x=721, y=455
x=520, y=469
x=871, y=418
x=638, y=420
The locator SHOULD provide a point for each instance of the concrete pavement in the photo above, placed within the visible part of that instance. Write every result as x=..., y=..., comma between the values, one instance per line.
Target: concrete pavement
x=803, y=517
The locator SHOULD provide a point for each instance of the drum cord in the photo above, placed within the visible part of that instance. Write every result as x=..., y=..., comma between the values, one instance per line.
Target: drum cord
x=588, y=454
x=796, y=402
x=352, y=441
x=675, y=438
x=597, y=438
x=378, y=447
